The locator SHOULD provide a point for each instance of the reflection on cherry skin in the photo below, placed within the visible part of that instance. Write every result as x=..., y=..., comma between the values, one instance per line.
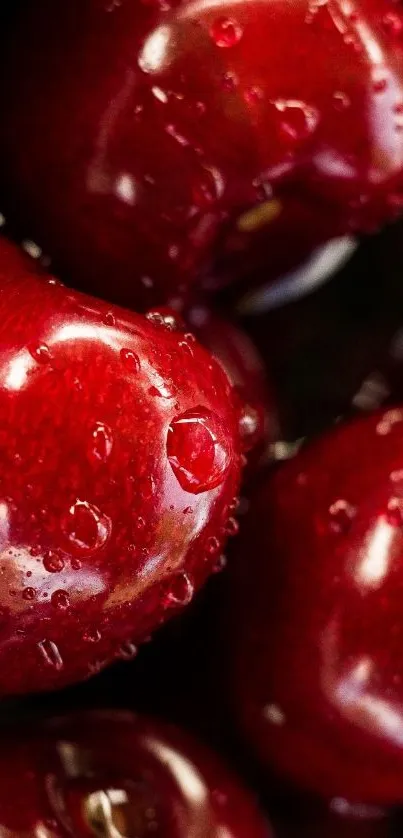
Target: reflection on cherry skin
x=317, y=615
x=119, y=462
x=162, y=133
x=109, y=775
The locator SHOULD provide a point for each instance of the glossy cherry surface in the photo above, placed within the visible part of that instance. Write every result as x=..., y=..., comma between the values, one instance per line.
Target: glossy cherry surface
x=113, y=775
x=317, y=614
x=154, y=129
x=240, y=359
x=119, y=463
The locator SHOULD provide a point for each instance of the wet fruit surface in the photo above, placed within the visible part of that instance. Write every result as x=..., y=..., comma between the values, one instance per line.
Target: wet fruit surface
x=157, y=129
x=318, y=618
x=108, y=775
x=238, y=356
x=119, y=463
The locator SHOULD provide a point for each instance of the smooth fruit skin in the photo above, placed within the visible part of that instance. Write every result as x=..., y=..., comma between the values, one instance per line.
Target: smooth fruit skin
x=317, y=615
x=119, y=463
x=111, y=774
x=240, y=359
x=136, y=137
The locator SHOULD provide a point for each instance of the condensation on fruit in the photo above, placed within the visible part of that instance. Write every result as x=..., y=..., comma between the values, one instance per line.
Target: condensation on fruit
x=179, y=590
x=50, y=654
x=86, y=528
x=197, y=450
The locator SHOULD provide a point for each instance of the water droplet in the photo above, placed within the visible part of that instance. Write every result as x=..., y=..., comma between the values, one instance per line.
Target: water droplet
x=230, y=80
x=234, y=505
x=92, y=636
x=226, y=32
x=140, y=524
x=298, y=120
x=232, y=527
x=388, y=421
x=40, y=353
x=169, y=319
x=253, y=95
x=109, y=319
x=101, y=443
x=29, y=593
x=197, y=449
x=50, y=654
x=52, y=562
x=394, y=513
x=341, y=101
x=86, y=527
x=379, y=85
x=130, y=360
x=393, y=23
x=127, y=651
x=220, y=564
x=212, y=545
x=185, y=347
x=342, y=514
x=249, y=426
x=179, y=590
x=60, y=599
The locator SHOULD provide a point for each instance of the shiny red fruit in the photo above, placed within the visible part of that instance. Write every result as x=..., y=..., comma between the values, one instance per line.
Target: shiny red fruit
x=114, y=774
x=119, y=463
x=238, y=356
x=137, y=137
x=305, y=818
x=318, y=618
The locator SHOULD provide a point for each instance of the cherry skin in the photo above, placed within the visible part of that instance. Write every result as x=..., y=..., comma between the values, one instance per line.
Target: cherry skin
x=240, y=359
x=137, y=137
x=317, y=616
x=119, y=462
x=114, y=774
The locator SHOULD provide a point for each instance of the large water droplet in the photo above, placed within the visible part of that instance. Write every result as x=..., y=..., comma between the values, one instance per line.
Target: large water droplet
x=298, y=120
x=50, y=654
x=226, y=32
x=86, y=527
x=52, y=562
x=60, y=599
x=29, y=594
x=101, y=443
x=197, y=449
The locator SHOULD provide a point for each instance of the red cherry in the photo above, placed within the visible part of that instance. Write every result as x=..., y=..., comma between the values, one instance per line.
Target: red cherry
x=318, y=671
x=113, y=774
x=156, y=129
x=238, y=356
x=119, y=462
x=316, y=822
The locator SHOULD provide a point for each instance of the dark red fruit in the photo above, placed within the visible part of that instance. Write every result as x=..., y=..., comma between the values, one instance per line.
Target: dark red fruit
x=119, y=462
x=301, y=817
x=136, y=135
x=108, y=775
x=238, y=356
x=318, y=618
